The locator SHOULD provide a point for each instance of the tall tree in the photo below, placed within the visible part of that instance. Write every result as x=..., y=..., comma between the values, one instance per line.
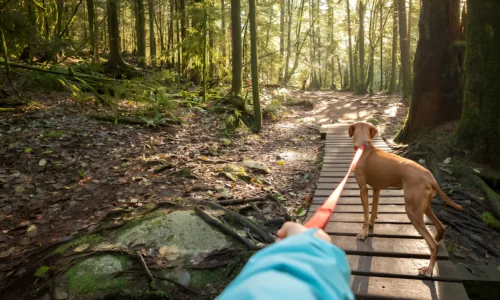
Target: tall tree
x=91, y=23
x=349, y=36
x=152, y=39
x=394, y=59
x=257, y=111
x=404, y=49
x=479, y=128
x=435, y=97
x=282, y=39
x=115, y=59
x=140, y=24
x=237, y=59
x=361, y=47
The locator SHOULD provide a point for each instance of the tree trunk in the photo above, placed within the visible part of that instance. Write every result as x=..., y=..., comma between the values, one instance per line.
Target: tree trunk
x=170, y=44
x=224, y=30
x=282, y=39
x=405, y=51
x=91, y=22
x=351, y=64
x=257, y=111
x=479, y=128
x=60, y=8
x=141, y=33
x=381, y=48
x=394, y=58
x=436, y=94
x=288, y=40
x=115, y=58
x=236, y=84
x=152, y=40
x=361, y=48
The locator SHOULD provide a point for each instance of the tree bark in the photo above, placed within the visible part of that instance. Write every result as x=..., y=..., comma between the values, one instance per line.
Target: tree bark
x=479, y=128
x=404, y=50
x=257, y=111
x=224, y=30
x=60, y=8
x=381, y=48
x=115, y=58
x=170, y=44
x=352, y=82
x=91, y=23
x=237, y=60
x=394, y=58
x=436, y=94
x=282, y=39
x=141, y=33
x=361, y=48
x=152, y=39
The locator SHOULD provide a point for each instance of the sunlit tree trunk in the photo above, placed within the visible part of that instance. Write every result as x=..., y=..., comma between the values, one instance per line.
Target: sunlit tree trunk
x=404, y=49
x=349, y=34
x=237, y=61
x=394, y=58
x=141, y=33
x=361, y=47
x=257, y=111
x=152, y=39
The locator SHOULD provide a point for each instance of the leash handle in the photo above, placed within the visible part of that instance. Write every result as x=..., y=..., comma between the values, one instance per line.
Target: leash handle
x=322, y=215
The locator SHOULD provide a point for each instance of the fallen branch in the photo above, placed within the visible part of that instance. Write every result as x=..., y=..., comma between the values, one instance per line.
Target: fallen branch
x=242, y=201
x=263, y=235
x=225, y=229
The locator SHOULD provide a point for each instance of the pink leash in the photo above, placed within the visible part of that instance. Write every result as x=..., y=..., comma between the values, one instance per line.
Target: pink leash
x=322, y=215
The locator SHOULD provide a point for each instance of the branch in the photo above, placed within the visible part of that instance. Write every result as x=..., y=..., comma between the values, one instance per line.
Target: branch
x=216, y=223
x=263, y=235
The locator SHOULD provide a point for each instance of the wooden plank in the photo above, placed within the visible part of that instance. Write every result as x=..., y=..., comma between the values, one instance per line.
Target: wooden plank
x=334, y=174
x=357, y=201
x=395, y=288
x=381, y=218
x=379, y=230
x=336, y=148
x=337, y=180
x=348, y=186
x=393, y=209
x=445, y=270
x=393, y=247
x=354, y=193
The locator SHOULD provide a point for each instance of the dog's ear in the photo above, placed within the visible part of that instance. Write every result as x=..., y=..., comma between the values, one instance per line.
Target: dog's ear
x=351, y=130
x=373, y=131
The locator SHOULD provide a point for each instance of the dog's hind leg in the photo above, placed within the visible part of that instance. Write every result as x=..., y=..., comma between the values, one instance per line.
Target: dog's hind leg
x=376, y=196
x=439, y=226
x=416, y=217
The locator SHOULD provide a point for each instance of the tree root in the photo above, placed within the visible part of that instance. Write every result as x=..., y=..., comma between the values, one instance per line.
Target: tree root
x=260, y=232
x=225, y=229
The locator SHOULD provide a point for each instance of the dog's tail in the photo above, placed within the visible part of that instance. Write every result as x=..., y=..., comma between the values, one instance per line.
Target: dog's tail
x=445, y=197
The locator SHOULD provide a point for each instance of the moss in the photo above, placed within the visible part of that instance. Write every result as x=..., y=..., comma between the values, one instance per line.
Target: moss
x=96, y=274
x=489, y=219
x=92, y=239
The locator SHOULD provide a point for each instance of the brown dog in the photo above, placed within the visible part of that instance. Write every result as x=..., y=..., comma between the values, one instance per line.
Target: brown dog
x=381, y=170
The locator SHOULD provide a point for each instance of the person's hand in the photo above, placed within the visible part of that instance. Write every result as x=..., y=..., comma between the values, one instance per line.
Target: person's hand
x=291, y=228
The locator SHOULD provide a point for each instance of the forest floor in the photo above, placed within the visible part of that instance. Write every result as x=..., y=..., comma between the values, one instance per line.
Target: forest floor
x=62, y=172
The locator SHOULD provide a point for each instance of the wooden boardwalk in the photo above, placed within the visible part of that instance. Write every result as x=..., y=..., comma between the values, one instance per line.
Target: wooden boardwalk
x=385, y=266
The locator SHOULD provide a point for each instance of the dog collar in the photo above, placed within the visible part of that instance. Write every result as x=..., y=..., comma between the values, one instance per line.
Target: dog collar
x=362, y=146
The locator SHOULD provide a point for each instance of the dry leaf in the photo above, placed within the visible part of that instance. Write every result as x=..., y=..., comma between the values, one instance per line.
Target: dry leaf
x=7, y=253
x=170, y=252
x=81, y=248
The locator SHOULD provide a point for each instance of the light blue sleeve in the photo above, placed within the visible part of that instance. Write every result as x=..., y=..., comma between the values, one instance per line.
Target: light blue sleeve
x=299, y=267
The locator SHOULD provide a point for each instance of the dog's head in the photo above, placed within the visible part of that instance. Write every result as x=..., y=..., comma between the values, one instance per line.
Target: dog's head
x=362, y=132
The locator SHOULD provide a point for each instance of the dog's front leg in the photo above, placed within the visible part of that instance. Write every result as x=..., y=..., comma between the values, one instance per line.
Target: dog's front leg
x=366, y=212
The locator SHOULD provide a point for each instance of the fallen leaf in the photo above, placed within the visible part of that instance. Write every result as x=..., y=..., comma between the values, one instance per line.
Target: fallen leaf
x=7, y=253
x=280, y=162
x=476, y=170
x=447, y=160
x=42, y=162
x=170, y=252
x=301, y=212
x=48, y=151
x=256, y=165
x=41, y=271
x=27, y=150
x=81, y=248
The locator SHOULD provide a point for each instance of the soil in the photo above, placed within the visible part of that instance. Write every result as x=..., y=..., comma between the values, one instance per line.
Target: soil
x=61, y=171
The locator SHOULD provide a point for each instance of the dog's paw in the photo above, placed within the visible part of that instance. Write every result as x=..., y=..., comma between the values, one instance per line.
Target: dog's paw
x=362, y=236
x=424, y=271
